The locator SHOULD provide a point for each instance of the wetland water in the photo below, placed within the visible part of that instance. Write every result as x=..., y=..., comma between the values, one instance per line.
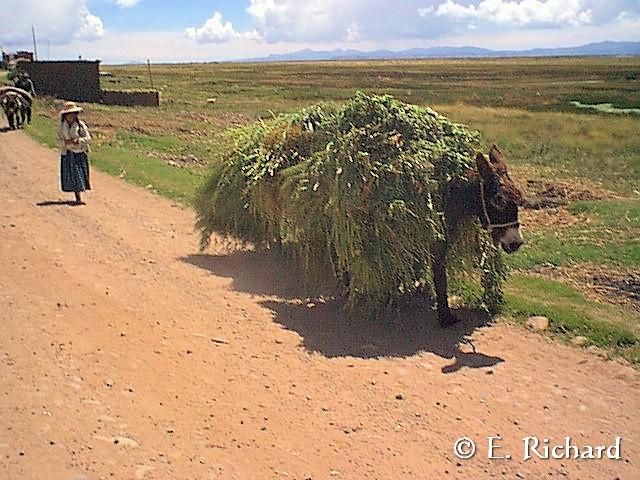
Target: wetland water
x=605, y=107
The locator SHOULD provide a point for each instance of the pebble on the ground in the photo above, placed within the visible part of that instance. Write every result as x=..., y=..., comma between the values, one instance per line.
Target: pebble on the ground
x=579, y=341
x=538, y=323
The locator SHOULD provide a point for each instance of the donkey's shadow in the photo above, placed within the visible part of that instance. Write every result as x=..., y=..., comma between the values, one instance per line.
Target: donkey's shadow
x=326, y=328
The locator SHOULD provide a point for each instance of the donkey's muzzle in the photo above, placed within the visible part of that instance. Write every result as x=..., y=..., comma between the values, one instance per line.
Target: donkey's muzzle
x=513, y=246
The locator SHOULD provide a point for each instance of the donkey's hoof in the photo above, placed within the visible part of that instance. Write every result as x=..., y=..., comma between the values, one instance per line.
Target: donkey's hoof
x=447, y=319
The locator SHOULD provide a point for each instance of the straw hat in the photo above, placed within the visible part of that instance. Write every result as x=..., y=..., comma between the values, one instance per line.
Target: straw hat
x=70, y=107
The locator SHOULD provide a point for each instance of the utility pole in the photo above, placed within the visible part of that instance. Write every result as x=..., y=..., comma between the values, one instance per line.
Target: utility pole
x=149, y=68
x=35, y=45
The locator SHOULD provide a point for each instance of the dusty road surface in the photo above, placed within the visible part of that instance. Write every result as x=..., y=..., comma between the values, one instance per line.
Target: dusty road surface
x=124, y=354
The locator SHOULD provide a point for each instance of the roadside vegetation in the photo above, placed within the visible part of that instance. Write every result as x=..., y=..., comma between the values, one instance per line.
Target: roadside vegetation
x=580, y=167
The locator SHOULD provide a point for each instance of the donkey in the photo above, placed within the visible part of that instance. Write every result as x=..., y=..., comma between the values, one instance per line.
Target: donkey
x=25, y=110
x=489, y=194
x=13, y=109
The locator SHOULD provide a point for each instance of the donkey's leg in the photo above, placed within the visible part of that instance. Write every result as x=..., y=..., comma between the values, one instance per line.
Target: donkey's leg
x=439, y=268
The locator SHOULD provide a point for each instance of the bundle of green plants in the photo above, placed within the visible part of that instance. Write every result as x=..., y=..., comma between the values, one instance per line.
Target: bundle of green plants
x=354, y=193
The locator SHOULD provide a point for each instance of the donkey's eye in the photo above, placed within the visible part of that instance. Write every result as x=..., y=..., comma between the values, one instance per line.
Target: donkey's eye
x=499, y=201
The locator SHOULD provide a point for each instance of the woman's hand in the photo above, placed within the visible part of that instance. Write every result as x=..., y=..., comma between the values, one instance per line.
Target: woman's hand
x=70, y=143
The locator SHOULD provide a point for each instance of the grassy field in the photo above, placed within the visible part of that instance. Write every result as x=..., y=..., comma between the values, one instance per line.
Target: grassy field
x=581, y=265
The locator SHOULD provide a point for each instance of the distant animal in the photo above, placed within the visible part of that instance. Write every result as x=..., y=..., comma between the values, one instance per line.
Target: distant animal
x=25, y=110
x=24, y=83
x=490, y=195
x=13, y=106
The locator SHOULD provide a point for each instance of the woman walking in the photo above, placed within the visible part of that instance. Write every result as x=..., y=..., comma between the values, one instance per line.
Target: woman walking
x=73, y=138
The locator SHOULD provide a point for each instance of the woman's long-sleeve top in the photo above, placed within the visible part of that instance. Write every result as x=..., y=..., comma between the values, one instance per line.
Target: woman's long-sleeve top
x=78, y=132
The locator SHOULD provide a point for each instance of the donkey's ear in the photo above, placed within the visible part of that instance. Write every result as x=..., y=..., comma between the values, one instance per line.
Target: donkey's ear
x=495, y=155
x=485, y=168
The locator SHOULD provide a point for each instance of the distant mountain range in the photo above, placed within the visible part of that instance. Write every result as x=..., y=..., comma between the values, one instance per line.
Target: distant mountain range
x=591, y=49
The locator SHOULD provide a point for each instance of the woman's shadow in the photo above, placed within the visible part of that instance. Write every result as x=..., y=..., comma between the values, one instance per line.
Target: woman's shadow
x=326, y=328
x=54, y=203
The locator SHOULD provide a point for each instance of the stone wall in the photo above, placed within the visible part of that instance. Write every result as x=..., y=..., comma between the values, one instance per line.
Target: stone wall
x=143, y=98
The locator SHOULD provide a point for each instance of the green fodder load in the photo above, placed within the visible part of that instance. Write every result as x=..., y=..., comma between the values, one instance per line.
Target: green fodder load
x=354, y=193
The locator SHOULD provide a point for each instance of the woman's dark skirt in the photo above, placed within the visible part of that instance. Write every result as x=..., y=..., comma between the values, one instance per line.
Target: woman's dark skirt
x=74, y=172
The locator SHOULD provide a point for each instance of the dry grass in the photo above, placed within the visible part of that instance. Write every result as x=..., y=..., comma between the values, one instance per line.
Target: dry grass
x=597, y=282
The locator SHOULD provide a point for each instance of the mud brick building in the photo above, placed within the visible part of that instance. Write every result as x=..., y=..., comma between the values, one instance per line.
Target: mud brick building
x=21, y=55
x=77, y=80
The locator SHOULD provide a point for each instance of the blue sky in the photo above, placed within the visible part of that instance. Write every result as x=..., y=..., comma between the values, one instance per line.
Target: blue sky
x=155, y=15
x=118, y=31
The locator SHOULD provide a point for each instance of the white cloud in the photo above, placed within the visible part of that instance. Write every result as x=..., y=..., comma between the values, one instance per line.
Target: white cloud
x=126, y=3
x=356, y=21
x=175, y=47
x=629, y=21
x=340, y=20
x=354, y=32
x=283, y=19
x=55, y=21
x=215, y=30
x=425, y=11
x=524, y=13
x=287, y=25
x=377, y=20
x=92, y=27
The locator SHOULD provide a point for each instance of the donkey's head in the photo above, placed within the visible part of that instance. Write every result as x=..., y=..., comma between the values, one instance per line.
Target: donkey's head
x=499, y=201
x=10, y=103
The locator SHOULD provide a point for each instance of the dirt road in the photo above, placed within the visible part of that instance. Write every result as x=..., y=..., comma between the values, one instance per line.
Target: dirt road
x=124, y=354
